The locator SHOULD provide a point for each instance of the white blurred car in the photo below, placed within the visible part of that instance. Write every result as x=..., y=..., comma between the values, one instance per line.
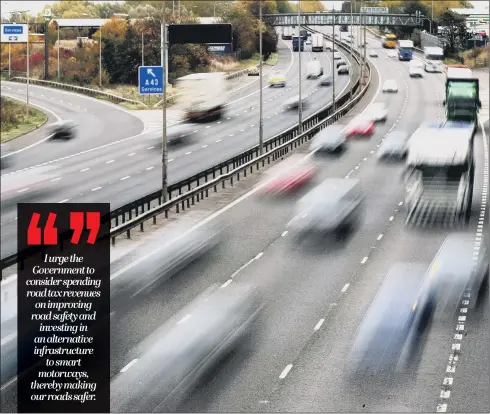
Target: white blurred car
x=390, y=86
x=337, y=56
x=392, y=54
x=378, y=112
x=373, y=53
x=416, y=70
x=395, y=145
x=308, y=42
x=330, y=139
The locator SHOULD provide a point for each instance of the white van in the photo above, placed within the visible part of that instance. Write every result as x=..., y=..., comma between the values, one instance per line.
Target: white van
x=314, y=69
x=416, y=69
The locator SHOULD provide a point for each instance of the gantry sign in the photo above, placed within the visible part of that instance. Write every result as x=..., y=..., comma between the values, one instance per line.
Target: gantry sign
x=325, y=19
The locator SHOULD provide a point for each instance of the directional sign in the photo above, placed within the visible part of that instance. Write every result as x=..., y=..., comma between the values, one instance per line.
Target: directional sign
x=374, y=10
x=14, y=33
x=150, y=80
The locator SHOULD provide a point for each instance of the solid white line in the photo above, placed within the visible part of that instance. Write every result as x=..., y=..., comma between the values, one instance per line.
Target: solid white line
x=259, y=256
x=64, y=201
x=285, y=372
x=364, y=260
x=8, y=383
x=346, y=286
x=226, y=283
x=319, y=324
x=134, y=361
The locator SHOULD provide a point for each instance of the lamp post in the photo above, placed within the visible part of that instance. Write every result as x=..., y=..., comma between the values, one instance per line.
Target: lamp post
x=261, y=119
x=431, y=15
x=164, y=111
x=352, y=39
x=300, y=103
x=58, y=51
x=333, y=60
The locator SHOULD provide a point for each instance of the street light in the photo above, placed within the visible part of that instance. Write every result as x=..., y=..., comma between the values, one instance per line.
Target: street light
x=261, y=119
x=164, y=110
x=300, y=103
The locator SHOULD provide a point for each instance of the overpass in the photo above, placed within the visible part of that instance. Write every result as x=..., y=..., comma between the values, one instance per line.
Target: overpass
x=327, y=19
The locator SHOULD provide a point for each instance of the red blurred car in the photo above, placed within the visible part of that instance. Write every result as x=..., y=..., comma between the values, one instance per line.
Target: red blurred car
x=288, y=177
x=364, y=128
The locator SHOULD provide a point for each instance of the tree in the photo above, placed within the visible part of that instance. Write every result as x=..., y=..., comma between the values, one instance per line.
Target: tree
x=356, y=6
x=455, y=33
x=284, y=7
x=308, y=6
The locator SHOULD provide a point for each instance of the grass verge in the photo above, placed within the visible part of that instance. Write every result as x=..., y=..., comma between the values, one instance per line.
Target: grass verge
x=15, y=122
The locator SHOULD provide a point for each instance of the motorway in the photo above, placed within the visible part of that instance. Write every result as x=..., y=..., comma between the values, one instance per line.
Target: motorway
x=126, y=170
x=316, y=297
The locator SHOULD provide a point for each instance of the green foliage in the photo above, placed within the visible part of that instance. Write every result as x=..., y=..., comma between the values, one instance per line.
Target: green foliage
x=456, y=34
x=14, y=121
x=284, y=7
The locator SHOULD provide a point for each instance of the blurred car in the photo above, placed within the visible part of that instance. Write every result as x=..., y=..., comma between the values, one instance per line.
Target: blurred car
x=288, y=176
x=293, y=103
x=378, y=112
x=172, y=360
x=416, y=70
x=395, y=145
x=394, y=323
x=6, y=156
x=181, y=244
x=333, y=207
x=326, y=80
x=253, y=71
x=373, y=53
x=64, y=129
x=360, y=128
x=337, y=55
x=329, y=139
x=456, y=269
x=277, y=78
x=390, y=86
x=179, y=132
x=341, y=62
x=392, y=54
x=308, y=42
x=343, y=70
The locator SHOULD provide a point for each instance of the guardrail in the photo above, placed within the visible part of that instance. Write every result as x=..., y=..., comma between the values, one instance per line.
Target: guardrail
x=136, y=213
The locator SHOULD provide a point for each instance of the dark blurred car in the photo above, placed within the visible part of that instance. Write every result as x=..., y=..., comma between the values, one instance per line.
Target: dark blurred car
x=393, y=326
x=64, y=129
x=341, y=63
x=329, y=139
x=456, y=269
x=181, y=132
x=333, y=207
x=361, y=128
x=326, y=80
x=343, y=70
x=395, y=145
x=6, y=156
x=172, y=360
x=293, y=103
x=288, y=177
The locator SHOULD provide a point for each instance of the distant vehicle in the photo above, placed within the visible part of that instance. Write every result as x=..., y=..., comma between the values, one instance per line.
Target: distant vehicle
x=329, y=139
x=333, y=207
x=455, y=269
x=378, y=112
x=314, y=69
x=434, y=57
x=391, y=331
x=287, y=33
x=293, y=103
x=253, y=71
x=205, y=95
x=288, y=177
x=405, y=50
x=308, y=42
x=317, y=42
x=277, y=78
x=337, y=55
x=462, y=100
x=64, y=129
x=298, y=43
x=341, y=62
x=326, y=80
x=173, y=359
x=395, y=145
x=361, y=128
x=390, y=86
x=343, y=70
x=373, y=53
x=416, y=69
x=389, y=41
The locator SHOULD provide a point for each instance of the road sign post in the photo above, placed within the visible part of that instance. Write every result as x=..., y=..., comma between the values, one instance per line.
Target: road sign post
x=151, y=80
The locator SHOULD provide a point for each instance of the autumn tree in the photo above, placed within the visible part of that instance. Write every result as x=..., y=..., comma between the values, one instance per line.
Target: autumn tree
x=284, y=7
x=308, y=6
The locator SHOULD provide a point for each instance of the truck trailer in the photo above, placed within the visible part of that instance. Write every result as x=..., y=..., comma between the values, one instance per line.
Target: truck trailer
x=298, y=43
x=439, y=174
x=287, y=33
x=317, y=42
x=462, y=101
x=204, y=95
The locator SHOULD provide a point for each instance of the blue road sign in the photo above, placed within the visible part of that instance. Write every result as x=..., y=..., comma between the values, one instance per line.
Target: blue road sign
x=151, y=80
x=13, y=29
x=13, y=38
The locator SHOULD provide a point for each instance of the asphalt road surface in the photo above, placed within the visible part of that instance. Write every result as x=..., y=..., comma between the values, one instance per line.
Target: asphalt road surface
x=126, y=170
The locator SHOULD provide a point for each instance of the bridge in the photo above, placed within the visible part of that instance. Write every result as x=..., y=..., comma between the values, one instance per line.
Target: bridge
x=327, y=19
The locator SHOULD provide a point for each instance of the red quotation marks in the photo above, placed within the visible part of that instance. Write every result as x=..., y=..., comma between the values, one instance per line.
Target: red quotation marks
x=77, y=224
x=49, y=235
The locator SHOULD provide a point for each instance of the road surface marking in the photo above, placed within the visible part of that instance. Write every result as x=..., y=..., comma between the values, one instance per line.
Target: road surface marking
x=284, y=233
x=24, y=189
x=110, y=161
x=346, y=286
x=184, y=319
x=285, y=372
x=226, y=283
x=379, y=237
x=96, y=188
x=319, y=324
x=130, y=155
x=85, y=169
x=63, y=201
x=134, y=361
x=125, y=178
x=364, y=260
x=391, y=218
x=149, y=168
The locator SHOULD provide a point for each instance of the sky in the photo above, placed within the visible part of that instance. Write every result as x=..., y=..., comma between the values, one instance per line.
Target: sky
x=36, y=6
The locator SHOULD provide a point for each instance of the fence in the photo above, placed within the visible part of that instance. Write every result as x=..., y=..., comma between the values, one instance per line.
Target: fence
x=136, y=213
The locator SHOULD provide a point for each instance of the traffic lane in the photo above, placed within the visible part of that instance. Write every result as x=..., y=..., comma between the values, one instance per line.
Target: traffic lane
x=97, y=122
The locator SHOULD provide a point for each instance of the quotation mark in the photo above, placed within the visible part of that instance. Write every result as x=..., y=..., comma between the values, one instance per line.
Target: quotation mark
x=49, y=234
x=34, y=231
x=77, y=224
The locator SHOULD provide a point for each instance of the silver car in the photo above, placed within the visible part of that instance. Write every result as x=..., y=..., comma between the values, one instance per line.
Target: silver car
x=329, y=139
x=293, y=102
x=395, y=145
x=390, y=86
x=326, y=80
